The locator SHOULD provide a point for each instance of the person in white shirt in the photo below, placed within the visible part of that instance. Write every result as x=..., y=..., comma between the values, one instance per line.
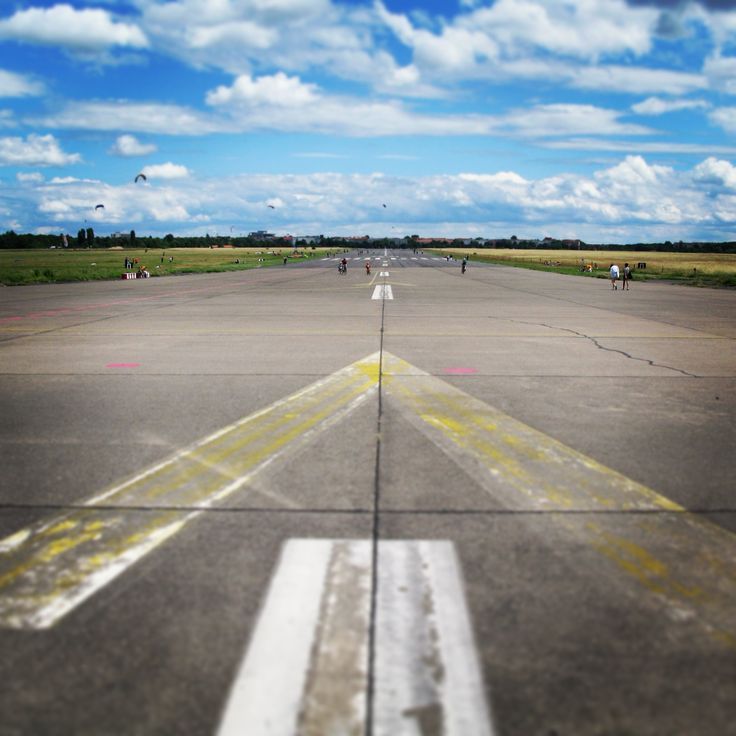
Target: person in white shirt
x=614, y=276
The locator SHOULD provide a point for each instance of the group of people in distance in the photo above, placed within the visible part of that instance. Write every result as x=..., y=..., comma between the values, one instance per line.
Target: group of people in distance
x=625, y=276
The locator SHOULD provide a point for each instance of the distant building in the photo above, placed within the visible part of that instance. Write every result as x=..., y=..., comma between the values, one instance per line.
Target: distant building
x=262, y=235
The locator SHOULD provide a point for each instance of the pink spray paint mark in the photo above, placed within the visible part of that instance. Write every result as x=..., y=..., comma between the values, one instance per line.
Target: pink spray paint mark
x=460, y=371
x=122, y=365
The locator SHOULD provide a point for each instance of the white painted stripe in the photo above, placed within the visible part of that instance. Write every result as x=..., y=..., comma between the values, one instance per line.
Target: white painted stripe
x=305, y=670
x=282, y=664
x=383, y=291
x=428, y=678
x=384, y=274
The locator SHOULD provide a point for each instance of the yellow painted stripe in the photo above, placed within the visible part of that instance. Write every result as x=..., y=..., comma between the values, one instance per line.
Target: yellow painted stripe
x=49, y=568
x=688, y=562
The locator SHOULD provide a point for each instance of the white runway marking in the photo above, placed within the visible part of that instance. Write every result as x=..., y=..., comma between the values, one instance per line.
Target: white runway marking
x=383, y=291
x=306, y=669
x=384, y=274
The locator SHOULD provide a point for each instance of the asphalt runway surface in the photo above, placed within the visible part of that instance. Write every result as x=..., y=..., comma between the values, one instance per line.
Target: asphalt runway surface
x=412, y=502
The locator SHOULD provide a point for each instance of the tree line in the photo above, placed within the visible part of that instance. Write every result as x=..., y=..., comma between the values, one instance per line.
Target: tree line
x=87, y=238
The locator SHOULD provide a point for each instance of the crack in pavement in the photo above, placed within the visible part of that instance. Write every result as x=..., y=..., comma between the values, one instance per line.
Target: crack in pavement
x=595, y=342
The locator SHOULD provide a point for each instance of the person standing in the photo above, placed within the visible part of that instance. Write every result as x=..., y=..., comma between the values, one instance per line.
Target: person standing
x=625, y=277
x=613, y=272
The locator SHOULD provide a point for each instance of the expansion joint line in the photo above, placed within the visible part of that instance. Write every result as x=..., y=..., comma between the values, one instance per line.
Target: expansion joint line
x=375, y=535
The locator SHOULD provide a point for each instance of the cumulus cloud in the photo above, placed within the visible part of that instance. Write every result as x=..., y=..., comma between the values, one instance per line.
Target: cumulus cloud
x=277, y=89
x=63, y=25
x=34, y=150
x=512, y=28
x=563, y=41
x=19, y=85
x=129, y=146
x=234, y=35
x=634, y=198
x=716, y=172
x=577, y=28
x=166, y=171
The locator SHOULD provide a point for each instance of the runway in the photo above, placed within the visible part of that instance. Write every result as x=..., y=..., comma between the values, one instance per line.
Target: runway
x=413, y=501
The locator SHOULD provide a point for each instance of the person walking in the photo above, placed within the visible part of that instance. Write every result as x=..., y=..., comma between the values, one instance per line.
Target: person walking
x=613, y=272
x=464, y=265
x=625, y=277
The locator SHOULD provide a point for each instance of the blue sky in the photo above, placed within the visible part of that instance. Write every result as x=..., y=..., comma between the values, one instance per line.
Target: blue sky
x=606, y=120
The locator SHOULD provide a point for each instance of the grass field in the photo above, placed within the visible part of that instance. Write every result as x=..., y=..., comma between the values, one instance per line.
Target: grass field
x=47, y=266
x=703, y=269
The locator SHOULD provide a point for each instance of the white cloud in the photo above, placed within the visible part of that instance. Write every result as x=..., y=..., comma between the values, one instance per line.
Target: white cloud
x=633, y=171
x=547, y=40
x=558, y=120
x=166, y=171
x=724, y=117
x=658, y=106
x=234, y=35
x=586, y=29
x=258, y=108
x=7, y=119
x=34, y=150
x=456, y=48
x=129, y=146
x=32, y=177
x=243, y=33
x=72, y=180
x=63, y=25
x=721, y=73
x=278, y=90
x=260, y=103
x=634, y=199
x=718, y=172
x=141, y=117
x=636, y=80
x=510, y=30
x=19, y=85
x=669, y=148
